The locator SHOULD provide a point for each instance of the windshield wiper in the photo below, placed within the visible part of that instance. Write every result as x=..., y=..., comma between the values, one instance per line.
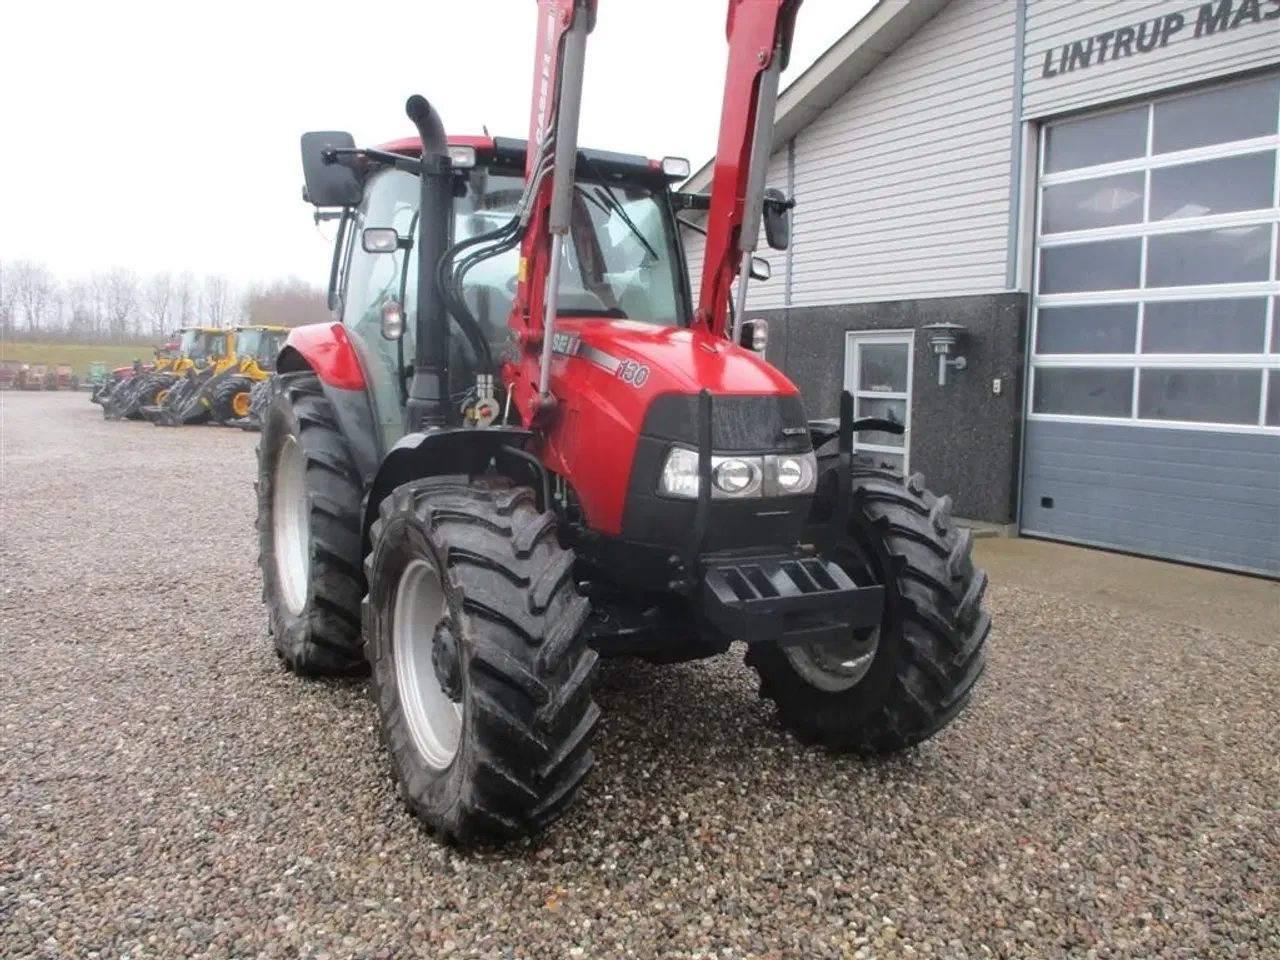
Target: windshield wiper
x=606, y=204
x=606, y=195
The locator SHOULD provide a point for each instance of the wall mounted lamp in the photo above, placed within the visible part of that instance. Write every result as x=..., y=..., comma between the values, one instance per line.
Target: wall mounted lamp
x=942, y=337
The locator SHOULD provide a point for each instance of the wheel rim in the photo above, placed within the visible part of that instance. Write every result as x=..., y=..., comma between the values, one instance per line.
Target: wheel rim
x=161, y=397
x=840, y=666
x=434, y=721
x=835, y=667
x=240, y=404
x=291, y=530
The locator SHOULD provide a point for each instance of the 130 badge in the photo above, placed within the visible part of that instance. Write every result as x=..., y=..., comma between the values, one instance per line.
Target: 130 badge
x=636, y=374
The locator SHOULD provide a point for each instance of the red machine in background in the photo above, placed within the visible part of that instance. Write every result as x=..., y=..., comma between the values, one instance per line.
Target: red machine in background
x=527, y=444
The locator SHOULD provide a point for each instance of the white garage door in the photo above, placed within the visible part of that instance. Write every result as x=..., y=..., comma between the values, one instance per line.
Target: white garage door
x=1153, y=414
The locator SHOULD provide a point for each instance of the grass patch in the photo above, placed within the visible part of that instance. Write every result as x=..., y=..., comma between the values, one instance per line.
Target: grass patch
x=79, y=355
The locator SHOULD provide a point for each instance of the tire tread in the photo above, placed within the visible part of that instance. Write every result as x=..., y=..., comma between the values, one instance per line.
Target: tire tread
x=533, y=719
x=329, y=643
x=944, y=625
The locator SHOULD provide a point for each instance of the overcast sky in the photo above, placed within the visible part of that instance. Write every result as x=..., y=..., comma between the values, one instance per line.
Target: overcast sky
x=164, y=136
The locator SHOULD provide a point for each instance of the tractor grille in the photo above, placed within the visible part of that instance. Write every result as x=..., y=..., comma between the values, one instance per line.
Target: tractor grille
x=739, y=424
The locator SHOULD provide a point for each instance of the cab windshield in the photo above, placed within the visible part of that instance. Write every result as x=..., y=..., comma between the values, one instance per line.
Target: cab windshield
x=249, y=343
x=200, y=345
x=618, y=261
x=259, y=344
x=272, y=343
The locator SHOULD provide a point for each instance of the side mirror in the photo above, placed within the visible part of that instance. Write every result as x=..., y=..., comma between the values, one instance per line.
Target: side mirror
x=381, y=240
x=760, y=269
x=755, y=335
x=328, y=183
x=777, y=221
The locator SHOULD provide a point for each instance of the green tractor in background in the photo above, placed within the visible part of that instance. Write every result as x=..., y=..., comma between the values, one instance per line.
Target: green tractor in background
x=96, y=379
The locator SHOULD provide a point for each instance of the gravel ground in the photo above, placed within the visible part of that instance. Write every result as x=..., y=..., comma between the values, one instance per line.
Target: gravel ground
x=167, y=790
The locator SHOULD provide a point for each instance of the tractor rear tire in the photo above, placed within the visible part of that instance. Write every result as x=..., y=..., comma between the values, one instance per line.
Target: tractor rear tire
x=917, y=672
x=487, y=714
x=309, y=518
x=231, y=399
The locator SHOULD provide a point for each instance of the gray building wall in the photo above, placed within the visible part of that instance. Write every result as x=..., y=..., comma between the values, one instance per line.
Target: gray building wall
x=902, y=186
x=964, y=437
x=1082, y=53
x=877, y=216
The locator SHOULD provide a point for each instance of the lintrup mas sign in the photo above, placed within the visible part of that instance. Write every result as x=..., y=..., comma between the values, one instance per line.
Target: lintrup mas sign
x=1211, y=19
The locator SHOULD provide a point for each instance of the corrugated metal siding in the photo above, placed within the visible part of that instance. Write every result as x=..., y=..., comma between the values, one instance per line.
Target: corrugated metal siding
x=902, y=186
x=1190, y=495
x=694, y=245
x=761, y=295
x=1185, y=58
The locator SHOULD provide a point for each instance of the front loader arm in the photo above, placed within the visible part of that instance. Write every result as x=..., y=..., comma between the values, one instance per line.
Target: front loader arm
x=563, y=26
x=759, y=34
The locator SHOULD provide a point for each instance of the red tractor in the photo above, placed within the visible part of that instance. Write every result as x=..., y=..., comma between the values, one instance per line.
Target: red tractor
x=527, y=445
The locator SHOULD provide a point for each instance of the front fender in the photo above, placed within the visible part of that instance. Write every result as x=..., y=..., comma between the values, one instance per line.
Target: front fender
x=330, y=355
x=328, y=350
x=447, y=450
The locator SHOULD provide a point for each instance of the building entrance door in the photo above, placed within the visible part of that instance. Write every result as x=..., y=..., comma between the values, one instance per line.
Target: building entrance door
x=878, y=367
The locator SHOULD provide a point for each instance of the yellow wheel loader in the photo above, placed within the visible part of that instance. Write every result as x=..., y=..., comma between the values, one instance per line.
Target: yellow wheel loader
x=221, y=390
x=230, y=398
x=180, y=399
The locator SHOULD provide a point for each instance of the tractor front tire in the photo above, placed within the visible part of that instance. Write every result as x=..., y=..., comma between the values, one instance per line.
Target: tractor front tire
x=309, y=517
x=479, y=668
x=896, y=686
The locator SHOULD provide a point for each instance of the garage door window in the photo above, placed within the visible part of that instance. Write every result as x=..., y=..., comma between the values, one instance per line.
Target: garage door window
x=1155, y=297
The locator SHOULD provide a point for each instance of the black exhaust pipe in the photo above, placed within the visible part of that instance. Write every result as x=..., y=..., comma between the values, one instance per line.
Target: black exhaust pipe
x=428, y=404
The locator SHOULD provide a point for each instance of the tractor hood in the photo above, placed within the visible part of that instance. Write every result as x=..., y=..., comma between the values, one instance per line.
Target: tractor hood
x=631, y=390
x=656, y=359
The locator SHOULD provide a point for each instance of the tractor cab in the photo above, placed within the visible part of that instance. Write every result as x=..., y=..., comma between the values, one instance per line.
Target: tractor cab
x=622, y=259
x=257, y=347
x=200, y=347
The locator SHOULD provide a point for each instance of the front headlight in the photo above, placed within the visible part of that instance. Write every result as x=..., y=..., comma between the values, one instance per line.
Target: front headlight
x=740, y=477
x=795, y=474
x=736, y=477
x=680, y=473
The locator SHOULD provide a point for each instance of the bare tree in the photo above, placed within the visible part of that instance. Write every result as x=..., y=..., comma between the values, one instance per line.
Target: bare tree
x=34, y=292
x=81, y=309
x=119, y=289
x=159, y=304
x=8, y=299
x=186, y=300
x=216, y=296
x=118, y=305
x=287, y=303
